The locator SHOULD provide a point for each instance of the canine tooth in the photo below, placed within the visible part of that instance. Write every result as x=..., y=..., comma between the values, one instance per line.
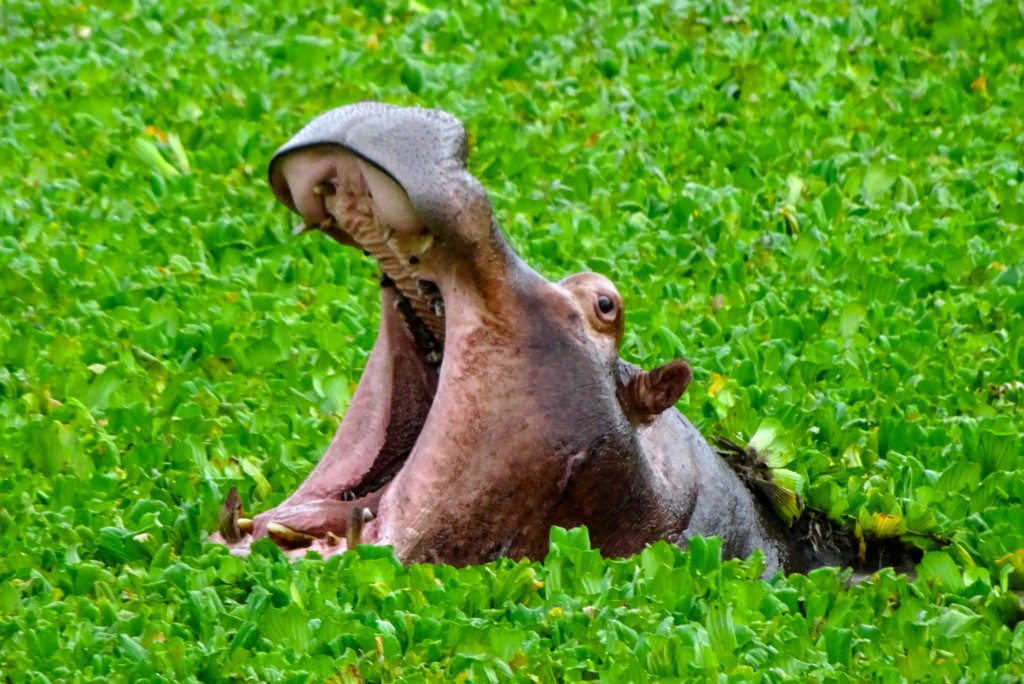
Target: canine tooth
x=324, y=189
x=230, y=512
x=354, y=533
x=327, y=223
x=245, y=524
x=438, y=307
x=332, y=539
x=303, y=228
x=283, y=532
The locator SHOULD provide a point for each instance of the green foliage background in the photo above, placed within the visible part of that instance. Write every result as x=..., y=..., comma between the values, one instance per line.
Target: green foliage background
x=817, y=203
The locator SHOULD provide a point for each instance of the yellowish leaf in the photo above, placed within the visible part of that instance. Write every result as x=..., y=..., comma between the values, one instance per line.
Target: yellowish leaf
x=1014, y=558
x=717, y=384
x=885, y=525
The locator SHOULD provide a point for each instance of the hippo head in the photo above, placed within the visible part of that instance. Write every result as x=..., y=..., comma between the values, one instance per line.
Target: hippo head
x=494, y=403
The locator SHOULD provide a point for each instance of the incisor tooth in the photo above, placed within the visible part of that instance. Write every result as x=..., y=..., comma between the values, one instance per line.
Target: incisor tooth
x=302, y=228
x=324, y=189
x=279, y=531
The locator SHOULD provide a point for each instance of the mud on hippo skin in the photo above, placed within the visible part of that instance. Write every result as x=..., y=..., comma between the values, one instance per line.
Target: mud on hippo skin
x=494, y=403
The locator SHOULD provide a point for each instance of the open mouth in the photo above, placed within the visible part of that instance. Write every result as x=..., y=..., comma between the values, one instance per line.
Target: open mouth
x=360, y=206
x=392, y=183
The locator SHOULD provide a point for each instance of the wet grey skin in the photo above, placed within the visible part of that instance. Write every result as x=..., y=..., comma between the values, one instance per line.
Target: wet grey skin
x=494, y=404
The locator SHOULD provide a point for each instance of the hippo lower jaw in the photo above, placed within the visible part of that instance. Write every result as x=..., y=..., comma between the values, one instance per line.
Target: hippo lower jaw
x=340, y=193
x=336, y=509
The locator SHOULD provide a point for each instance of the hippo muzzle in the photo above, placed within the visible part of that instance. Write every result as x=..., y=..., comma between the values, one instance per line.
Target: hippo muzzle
x=494, y=403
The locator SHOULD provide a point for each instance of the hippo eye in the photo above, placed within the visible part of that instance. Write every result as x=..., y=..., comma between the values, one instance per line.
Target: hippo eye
x=605, y=304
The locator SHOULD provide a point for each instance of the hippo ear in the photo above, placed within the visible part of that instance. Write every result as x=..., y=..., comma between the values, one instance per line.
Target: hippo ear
x=422, y=150
x=644, y=395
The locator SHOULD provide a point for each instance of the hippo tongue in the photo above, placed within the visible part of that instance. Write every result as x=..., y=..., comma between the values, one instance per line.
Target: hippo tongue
x=380, y=427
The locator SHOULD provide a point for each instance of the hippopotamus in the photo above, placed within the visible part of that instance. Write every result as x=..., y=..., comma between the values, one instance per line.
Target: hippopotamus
x=494, y=404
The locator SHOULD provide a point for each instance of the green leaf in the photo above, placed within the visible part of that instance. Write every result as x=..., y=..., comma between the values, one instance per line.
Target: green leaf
x=832, y=202
x=769, y=441
x=937, y=566
x=251, y=467
x=705, y=554
x=180, y=157
x=149, y=153
x=838, y=645
x=286, y=627
x=877, y=182
x=850, y=319
x=721, y=628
